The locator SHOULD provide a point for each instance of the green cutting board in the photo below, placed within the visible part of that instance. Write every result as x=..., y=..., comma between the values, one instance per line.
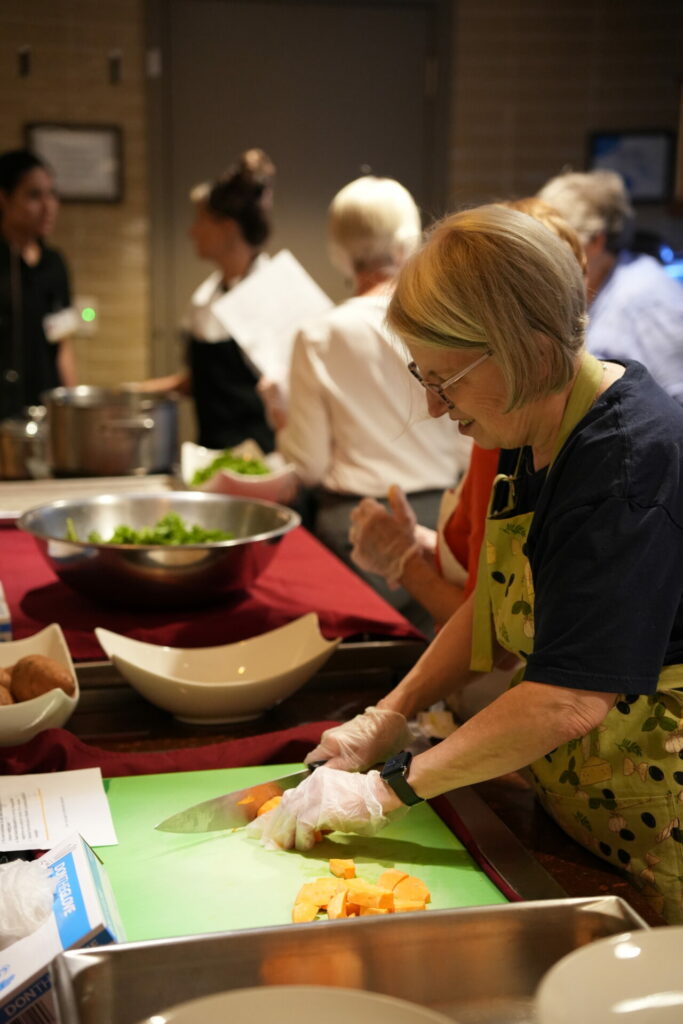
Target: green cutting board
x=168, y=884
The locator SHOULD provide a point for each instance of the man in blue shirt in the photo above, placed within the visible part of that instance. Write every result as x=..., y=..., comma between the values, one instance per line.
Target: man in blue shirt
x=635, y=308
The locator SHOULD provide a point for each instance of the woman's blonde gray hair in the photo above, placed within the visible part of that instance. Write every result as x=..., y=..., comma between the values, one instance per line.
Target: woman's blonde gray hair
x=374, y=224
x=494, y=278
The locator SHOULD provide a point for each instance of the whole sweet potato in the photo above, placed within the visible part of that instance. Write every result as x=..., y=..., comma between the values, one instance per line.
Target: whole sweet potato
x=35, y=674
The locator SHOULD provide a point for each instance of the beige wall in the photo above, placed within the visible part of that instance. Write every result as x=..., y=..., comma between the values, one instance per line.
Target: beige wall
x=530, y=80
x=106, y=245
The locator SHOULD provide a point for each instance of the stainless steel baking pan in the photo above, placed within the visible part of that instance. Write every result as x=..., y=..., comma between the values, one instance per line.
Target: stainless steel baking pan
x=477, y=965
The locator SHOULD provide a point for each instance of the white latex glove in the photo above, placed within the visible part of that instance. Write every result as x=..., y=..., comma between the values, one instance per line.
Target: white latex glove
x=329, y=800
x=383, y=540
x=366, y=740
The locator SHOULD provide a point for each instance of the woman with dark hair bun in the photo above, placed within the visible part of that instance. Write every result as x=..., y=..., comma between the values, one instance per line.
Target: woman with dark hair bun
x=36, y=317
x=231, y=225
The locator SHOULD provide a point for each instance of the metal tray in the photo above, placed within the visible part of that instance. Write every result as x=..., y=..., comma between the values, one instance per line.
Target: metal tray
x=479, y=966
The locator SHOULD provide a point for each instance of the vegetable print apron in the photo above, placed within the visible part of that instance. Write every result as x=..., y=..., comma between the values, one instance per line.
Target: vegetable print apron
x=619, y=790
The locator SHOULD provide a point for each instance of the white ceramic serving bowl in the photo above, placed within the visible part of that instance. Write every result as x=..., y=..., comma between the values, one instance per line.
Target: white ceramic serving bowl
x=633, y=978
x=230, y=683
x=279, y=485
x=22, y=721
x=292, y=1004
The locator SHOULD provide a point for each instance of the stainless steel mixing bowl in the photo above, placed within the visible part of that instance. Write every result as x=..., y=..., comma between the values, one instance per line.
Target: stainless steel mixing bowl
x=159, y=576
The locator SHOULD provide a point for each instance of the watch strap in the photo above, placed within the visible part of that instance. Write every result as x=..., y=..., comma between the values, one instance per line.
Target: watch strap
x=395, y=774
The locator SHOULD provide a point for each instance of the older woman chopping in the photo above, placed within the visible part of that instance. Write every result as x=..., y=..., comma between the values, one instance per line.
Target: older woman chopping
x=581, y=569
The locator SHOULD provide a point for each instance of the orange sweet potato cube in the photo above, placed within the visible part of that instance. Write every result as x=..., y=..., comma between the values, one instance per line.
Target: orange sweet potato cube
x=367, y=895
x=391, y=877
x=342, y=868
x=319, y=892
x=336, y=908
x=404, y=906
x=268, y=805
x=371, y=911
x=302, y=912
x=411, y=888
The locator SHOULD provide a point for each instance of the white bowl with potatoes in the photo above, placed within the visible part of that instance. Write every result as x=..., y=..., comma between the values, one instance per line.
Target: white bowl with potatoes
x=38, y=685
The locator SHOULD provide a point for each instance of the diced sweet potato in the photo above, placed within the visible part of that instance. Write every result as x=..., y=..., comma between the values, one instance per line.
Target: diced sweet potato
x=302, y=912
x=390, y=878
x=319, y=892
x=411, y=888
x=369, y=911
x=404, y=906
x=268, y=805
x=336, y=908
x=342, y=868
x=368, y=895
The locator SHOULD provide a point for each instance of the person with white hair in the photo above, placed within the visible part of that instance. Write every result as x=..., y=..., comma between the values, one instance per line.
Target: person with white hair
x=635, y=308
x=356, y=422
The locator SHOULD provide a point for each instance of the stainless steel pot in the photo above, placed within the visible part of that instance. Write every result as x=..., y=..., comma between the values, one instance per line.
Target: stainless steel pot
x=23, y=446
x=99, y=432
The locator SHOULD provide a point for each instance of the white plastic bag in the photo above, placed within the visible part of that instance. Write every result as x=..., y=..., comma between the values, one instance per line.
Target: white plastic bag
x=26, y=893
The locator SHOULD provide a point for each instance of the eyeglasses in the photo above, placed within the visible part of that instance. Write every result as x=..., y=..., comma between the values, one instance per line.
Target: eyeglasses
x=440, y=389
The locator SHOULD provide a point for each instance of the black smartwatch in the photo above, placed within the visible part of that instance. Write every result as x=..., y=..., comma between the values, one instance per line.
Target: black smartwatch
x=395, y=774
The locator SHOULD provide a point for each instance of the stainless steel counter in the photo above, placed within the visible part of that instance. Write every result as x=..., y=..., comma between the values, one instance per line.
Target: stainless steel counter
x=478, y=966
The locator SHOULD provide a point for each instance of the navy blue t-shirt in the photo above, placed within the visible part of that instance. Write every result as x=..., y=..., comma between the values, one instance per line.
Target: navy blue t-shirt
x=606, y=543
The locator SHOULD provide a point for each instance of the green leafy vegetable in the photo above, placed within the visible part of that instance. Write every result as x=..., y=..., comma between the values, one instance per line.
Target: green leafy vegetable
x=235, y=463
x=169, y=530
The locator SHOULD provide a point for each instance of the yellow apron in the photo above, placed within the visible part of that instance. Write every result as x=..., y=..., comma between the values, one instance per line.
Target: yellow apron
x=619, y=790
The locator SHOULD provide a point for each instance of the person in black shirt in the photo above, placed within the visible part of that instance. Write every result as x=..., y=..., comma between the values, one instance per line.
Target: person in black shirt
x=580, y=577
x=230, y=228
x=36, y=318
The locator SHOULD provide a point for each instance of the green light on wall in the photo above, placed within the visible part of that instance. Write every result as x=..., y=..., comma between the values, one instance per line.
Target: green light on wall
x=88, y=314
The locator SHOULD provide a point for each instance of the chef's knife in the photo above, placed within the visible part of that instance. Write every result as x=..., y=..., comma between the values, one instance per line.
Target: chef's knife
x=233, y=810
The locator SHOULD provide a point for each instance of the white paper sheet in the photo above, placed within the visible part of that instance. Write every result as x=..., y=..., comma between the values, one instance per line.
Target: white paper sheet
x=38, y=811
x=263, y=312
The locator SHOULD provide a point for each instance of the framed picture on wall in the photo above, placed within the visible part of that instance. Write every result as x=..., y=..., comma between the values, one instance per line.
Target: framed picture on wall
x=645, y=160
x=87, y=159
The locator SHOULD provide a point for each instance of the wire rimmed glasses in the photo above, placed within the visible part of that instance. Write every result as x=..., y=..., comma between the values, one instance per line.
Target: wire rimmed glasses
x=439, y=389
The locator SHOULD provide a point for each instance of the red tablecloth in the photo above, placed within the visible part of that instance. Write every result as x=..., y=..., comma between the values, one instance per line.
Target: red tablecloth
x=303, y=577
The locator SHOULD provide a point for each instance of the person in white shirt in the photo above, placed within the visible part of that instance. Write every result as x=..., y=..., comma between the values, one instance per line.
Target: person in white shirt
x=357, y=422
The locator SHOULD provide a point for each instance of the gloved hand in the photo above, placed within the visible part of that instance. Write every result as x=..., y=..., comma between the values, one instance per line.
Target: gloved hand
x=384, y=540
x=329, y=800
x=366, y=740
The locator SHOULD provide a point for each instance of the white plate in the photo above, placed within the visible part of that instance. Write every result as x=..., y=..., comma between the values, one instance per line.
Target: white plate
x=297, y=1004
x=634, y=978
x=22, y=721
x=279, y=485
x=230, y=683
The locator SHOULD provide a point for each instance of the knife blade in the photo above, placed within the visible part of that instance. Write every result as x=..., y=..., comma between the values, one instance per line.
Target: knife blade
x=232, y=810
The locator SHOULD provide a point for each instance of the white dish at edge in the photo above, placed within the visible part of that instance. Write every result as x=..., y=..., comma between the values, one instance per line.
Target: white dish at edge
x=633, y=978
x=22, y=721
x=293, y=1004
